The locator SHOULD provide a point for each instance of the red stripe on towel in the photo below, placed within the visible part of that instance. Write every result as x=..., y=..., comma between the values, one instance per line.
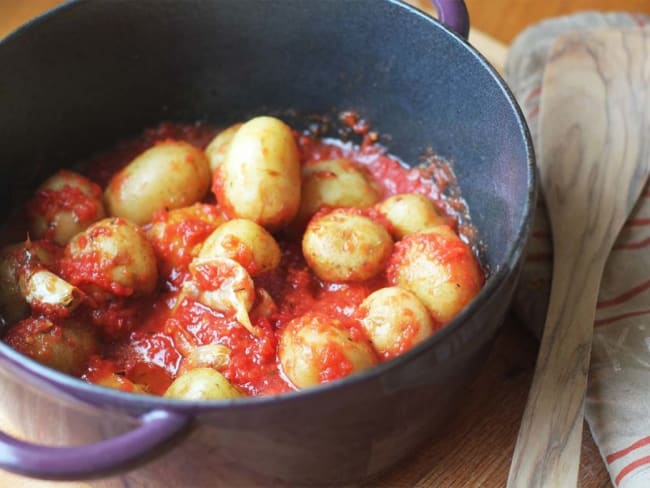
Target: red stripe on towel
x=535, y=93
x=624, y=452
x=633, y=245
x=631, y=467
x=616, y=318
x=637, y=222
x=624, y=296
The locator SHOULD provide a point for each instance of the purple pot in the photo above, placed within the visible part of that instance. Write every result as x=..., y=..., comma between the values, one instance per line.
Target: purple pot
x=89, y=73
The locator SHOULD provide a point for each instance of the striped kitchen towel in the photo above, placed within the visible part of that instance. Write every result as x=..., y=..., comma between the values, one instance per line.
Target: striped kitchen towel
x=618, y=397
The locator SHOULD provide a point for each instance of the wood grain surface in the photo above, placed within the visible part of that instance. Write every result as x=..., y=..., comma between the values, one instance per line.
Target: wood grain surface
x=476, y=447
x=593, y=161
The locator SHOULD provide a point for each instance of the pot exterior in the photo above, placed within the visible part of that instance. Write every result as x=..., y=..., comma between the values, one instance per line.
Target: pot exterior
x=122, y=66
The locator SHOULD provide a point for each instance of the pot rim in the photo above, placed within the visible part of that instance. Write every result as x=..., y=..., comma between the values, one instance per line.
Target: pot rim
x=113, y=397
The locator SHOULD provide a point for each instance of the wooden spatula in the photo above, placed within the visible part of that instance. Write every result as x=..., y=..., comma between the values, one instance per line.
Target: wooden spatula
x=594, y=160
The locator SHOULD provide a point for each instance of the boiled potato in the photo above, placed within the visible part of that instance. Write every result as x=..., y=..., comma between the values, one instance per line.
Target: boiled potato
x=395, y=320
x=64, y=205
x=223, y=285
x=18, y=262
x=439, y=268
x=246, y=242
x=409, y=213
x=344, y=246
x=171, y=174
x=66, y=347
x=202, y=384
x=218, y=147
x=259, y=179
x=113, y=255
x=335, y=183
x=13, y=306
x=119, y=382
x=316, y=349
x=177, y=235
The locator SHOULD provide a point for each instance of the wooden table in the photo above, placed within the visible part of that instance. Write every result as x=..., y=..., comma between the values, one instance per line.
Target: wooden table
x=475, y=448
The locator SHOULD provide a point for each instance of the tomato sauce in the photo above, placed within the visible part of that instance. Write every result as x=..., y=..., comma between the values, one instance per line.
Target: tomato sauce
x=145, y=340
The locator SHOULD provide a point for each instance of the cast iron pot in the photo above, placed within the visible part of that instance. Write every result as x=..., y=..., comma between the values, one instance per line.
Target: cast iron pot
x=93, y=72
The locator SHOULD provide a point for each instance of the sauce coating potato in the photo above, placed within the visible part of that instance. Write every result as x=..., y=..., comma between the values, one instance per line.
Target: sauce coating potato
x=218, y=147
x=259, y=179
x=64, y=205
x=395, y=320
x=65, y=347
x=113, y=255
x=409, y=213
x=344, y=246
x=439, y=268
x=316, y=349
x=171, y=174
x=246, y=242
x=177, y=235
x=202, y=384
x=336, y=183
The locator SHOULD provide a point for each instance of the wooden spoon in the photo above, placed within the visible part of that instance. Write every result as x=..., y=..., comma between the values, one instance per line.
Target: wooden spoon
x=594, y=160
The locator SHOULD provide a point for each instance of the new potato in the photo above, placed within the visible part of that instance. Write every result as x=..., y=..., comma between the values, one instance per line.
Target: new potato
x=171, y=174
x=119, y=258
x=246, y=242
x=259, y=178
x=344, y=246
x=336, y=183
x=395, y=320
x=305, y=343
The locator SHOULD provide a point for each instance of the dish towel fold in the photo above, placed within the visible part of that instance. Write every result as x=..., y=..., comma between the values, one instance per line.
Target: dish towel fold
x=618, y=396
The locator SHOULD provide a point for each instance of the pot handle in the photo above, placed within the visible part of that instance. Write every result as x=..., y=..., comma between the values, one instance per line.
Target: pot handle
x=87, y=461
x=453, y=13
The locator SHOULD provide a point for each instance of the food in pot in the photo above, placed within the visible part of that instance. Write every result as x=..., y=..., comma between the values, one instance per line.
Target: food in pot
x=311, y=260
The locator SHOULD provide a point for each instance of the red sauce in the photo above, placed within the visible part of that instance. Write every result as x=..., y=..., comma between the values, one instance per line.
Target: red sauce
x=144, y=341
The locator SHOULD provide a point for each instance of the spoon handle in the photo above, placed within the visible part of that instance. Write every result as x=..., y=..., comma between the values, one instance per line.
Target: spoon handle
x=550, y=437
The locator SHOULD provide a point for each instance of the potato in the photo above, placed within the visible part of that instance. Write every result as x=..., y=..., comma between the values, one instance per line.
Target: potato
x=13, y=306
x=202, y=384
x=259, y=179
x=66, y=347
x=177, y=235
x=112, y=255
x=395, y=320
x=64, y=205
x=18, y=262
x=223, y=285
x=246, y=242
x=316, y=349
x=439, y=268
x=119, y=382
x=218, y=147
x=335, y=183
x=409, y=213
x=343, y=246
x=171, y=174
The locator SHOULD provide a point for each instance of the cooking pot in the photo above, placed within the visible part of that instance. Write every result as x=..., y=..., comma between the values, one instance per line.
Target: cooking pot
x=93, y=72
